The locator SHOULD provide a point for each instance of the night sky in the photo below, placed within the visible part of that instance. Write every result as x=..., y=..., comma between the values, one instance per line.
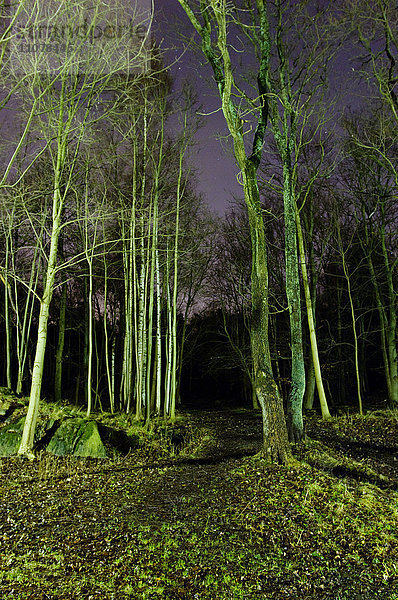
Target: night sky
x=217, y=172
x=215, y=167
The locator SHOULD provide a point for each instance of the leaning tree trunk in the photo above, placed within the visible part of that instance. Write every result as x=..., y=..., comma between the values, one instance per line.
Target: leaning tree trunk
x=26, y=447
x=315, y=366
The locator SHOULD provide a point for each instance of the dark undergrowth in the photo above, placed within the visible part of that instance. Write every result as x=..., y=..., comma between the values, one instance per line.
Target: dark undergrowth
x=192, y=516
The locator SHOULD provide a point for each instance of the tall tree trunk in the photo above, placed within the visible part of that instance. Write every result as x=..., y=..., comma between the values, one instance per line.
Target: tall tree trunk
x=106, y=340
x=296, y=394
x=158, y=336
x=86, y=336
x=169, y=337
x=26, y=446
x=27, y=441
x=311, y=323
x=90, y=339
x=276, y=444
x=310, y=278
x=174, y=360
x=7, y=317
x=60, y=346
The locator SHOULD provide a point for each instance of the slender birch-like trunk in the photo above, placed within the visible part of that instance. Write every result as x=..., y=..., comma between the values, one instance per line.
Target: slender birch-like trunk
x=7, y=316
x=169, y=337
x=89, y=376
x=174, y=361
x=315, y=363
x=312, y=289
x=157, y=374
x=27, y=441
x=106, y=337
x=61, y=342
x=150, y=285
x=141, y=353
x=159, y=361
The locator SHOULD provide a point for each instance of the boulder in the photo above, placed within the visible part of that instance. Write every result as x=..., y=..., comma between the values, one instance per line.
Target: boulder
x=4, y=407
x=11, y=434
x=77, y=437
x=10, y=437
x=73, y=436
x=9, y=402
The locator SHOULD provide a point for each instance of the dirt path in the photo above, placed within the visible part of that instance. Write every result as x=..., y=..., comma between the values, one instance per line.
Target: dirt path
x=183, y=485
x=180, y=487
x=233, y=434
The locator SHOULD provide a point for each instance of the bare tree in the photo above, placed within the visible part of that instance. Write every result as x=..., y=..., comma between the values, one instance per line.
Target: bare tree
x=66, y=96
x=212, y=25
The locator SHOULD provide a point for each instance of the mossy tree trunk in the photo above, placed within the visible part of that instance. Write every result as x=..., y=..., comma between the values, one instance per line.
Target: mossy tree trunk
x=297, y=388
x=214, y=15
x=275, y=436
x=291, y=87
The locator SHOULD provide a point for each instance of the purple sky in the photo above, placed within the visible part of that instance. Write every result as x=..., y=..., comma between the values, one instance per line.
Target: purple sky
x=216, y=167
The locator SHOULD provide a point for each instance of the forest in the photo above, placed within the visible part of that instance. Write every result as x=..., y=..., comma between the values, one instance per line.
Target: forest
x=195, y=403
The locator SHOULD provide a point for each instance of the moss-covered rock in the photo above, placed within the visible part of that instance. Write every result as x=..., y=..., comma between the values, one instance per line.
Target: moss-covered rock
x=9, y=402
x=11, y=433
x=4, y=407
x=10, y=437
x=78, y=437
x=61, y=433
x=89, y=443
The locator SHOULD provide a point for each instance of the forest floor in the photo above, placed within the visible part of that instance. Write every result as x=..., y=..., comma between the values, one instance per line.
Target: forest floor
x=207, y=518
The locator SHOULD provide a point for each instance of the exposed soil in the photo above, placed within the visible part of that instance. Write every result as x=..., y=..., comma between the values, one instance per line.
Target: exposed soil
x=211, y=521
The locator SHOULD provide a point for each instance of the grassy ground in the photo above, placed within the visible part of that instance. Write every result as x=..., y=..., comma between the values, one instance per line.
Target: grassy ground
x=202, y=518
